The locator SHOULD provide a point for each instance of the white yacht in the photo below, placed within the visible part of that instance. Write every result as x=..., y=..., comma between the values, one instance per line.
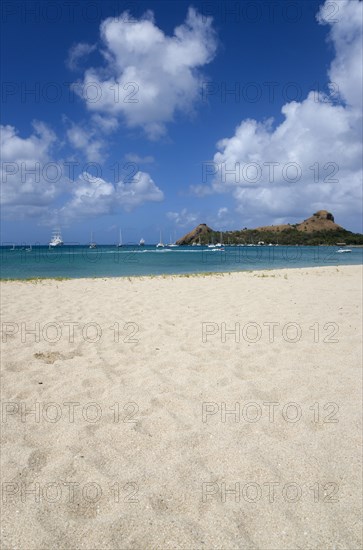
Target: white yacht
x=172, y=243
x=160, y=243
x=120, y=245
x=56, y=239
x=92, y=244
x=219, y=245
x=342, y=250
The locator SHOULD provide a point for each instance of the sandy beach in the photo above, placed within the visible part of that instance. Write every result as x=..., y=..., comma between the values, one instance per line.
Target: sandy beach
x=197, y=412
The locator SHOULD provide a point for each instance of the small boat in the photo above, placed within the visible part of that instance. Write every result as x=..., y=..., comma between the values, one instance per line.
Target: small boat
x=211, y=245
x=56, y=239
x=160, y=243
x=92, y=244
x=220, y=244
x=142, y=242
x=172, y=243
x=342, y=250
x=120, y=245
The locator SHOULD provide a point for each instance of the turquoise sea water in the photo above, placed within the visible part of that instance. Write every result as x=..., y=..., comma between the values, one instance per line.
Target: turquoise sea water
x=109, y=261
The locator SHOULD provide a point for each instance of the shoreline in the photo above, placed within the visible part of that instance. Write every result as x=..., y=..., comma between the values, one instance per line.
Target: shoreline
x=136, y=245
x=200, y=274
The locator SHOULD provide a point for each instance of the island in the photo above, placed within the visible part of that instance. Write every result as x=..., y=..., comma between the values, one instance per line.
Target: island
x=319, y=229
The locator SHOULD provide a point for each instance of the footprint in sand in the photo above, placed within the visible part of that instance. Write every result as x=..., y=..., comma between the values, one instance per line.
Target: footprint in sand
x=51, y=357
x=37, y=460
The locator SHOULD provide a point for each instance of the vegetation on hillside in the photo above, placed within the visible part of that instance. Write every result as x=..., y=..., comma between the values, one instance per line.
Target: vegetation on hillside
x=319, y=229
x=290, y=237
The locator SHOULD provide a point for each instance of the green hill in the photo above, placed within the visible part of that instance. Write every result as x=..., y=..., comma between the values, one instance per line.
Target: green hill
x=319, y=229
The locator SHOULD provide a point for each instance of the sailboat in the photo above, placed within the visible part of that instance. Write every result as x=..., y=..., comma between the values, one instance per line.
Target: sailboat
x=160, y=243
x=120, y=245
x=92, y=244
x=142, y=242
x=219, y=245
x=172, y=244
x=13, y=247
x=56, y=239
x=211, y=245
x=29, y=249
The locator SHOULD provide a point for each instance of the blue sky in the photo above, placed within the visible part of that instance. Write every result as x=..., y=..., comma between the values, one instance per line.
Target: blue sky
x=130, y=124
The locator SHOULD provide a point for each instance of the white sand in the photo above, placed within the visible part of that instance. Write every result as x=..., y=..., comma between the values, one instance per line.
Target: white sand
x=175, y=467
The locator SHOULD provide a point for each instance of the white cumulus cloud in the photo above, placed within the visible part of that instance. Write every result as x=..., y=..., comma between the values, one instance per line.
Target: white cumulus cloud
x=77, y=52
x=93, y=196
x=34, y=184
x=315, y=151
x=30, y=179
x=148, y=76
x=86, y=140
x=222, y=212
x=346, y=37
x=182, y=218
